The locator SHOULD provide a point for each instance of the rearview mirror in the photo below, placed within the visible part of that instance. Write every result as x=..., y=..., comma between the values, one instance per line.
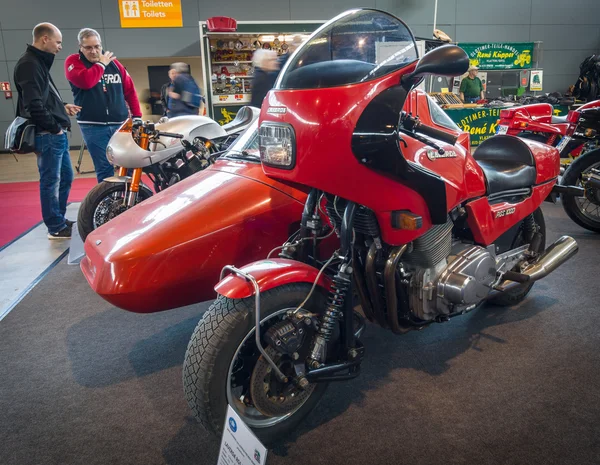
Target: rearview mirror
x=447, y=60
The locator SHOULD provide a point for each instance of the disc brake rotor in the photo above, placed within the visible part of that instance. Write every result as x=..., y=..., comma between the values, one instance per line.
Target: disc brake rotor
x=107, y=209
x=271, y=396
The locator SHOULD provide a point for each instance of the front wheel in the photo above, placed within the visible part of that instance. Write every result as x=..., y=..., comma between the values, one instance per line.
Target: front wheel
x=585, y=211
x=223, y=366
x=105, y=201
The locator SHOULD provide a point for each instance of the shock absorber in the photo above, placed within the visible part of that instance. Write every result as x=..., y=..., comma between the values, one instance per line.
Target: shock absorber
x=334, y=312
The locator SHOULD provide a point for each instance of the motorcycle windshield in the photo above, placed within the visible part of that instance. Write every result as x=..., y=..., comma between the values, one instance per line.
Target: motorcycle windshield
x=357, y=46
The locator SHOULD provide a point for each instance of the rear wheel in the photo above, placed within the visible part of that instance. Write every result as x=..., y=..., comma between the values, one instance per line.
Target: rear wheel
x=104, y=202
x=223, y=366
x=534, y=223
x=585, y=211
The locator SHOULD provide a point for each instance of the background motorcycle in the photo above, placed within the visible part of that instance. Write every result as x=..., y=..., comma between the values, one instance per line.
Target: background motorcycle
x=537, y=122
x=427, y=231
x=167, y=153
x=575, y=136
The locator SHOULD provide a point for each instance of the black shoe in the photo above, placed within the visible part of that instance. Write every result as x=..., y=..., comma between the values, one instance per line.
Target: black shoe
x=64, y=233
x=69, y=223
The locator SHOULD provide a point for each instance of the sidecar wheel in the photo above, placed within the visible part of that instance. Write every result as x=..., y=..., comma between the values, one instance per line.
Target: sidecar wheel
x=105, y=195
x=516, y=295
x=222, y=354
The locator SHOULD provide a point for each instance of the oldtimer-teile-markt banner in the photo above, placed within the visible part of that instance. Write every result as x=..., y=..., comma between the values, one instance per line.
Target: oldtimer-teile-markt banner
x=499, y=55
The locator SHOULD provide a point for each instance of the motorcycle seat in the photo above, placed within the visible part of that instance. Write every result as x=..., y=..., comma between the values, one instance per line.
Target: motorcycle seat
x=507, y=163
x=242, y=118
x=559, y=119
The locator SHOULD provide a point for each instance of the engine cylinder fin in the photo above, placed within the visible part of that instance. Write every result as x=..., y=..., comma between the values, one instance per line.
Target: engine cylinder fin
x=432, y=247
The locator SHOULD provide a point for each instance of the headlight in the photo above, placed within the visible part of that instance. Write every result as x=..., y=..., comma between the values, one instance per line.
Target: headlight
x=110, y=156
x=277, y=144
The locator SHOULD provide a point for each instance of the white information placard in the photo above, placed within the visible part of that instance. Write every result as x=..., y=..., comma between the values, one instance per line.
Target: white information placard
x=536, y=80
x=239, y=445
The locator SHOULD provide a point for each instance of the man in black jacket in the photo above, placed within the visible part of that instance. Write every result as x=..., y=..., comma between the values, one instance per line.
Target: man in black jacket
x=40, y=101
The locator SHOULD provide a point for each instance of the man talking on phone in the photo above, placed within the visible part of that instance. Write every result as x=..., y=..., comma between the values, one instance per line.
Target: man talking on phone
x=103, y=89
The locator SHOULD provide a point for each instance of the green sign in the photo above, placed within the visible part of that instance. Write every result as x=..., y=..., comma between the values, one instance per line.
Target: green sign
x=481, y=123
x=499, y=56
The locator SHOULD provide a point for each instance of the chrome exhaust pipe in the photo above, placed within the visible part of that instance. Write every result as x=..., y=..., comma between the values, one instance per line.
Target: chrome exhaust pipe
x=554, y=256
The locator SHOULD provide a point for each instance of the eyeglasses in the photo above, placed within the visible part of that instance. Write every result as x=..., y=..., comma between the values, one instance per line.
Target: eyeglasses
x=89, y=48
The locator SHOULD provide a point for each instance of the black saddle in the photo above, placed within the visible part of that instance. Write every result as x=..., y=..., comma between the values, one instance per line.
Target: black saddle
x=242, y=117
x=559, y=119
x=507, y=163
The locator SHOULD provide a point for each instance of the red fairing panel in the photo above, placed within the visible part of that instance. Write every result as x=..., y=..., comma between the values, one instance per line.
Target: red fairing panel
x=269, y=274
x=488, y=222
x=169, y=250
x=319, y=153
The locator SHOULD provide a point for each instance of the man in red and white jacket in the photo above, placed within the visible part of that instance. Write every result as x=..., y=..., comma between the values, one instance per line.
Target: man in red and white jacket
x=103, y=89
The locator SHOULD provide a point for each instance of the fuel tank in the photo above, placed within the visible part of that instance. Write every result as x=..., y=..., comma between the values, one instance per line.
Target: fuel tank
x=169, y=250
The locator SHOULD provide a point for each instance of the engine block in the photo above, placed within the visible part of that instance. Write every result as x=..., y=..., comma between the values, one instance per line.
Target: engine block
x=468, y=279
x=462, y=280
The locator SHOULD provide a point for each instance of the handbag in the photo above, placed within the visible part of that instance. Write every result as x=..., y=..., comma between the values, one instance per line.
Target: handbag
x=20, y=136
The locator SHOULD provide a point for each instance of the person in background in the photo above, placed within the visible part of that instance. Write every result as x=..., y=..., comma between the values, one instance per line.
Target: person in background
x=41, y=103
x=103, y=89
x=266, y=68
x=185, y=97
x=164, y=91
x=471, y=87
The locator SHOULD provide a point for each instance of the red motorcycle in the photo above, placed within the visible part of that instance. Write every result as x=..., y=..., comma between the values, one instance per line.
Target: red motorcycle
x=427, y=231
x=575, y=136
x=537, y=122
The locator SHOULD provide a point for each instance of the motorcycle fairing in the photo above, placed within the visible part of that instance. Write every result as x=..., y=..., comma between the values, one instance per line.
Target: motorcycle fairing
x=335, y=152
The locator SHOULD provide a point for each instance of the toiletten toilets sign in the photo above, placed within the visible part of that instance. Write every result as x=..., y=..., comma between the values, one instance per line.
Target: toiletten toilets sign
x=150, y=13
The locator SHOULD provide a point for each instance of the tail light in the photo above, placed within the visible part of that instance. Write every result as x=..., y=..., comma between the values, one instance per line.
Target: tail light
x=507, y=114
x=277, y=144
x=573, y=117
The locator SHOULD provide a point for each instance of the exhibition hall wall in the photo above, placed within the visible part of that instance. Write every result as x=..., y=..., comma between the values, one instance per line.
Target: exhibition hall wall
x=570, y=30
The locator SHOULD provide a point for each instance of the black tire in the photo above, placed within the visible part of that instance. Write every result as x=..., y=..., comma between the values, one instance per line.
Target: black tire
x=571, y=178
x=85, y=217
x=516, y=295
x=214, y=344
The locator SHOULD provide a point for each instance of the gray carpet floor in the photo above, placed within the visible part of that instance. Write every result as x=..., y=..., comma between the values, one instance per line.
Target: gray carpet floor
x=82, y=382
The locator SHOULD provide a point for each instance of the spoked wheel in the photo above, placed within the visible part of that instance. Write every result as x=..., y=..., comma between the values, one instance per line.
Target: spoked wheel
x=103, y=203
x=224, y=366
x=585, y=211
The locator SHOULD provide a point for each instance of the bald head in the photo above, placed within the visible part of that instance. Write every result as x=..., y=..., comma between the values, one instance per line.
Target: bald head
x=47, y=37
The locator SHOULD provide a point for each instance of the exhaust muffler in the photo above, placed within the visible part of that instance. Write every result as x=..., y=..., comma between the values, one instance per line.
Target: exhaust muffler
x=558, y=253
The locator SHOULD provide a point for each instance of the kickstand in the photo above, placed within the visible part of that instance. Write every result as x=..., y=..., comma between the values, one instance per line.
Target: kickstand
x=79, y=161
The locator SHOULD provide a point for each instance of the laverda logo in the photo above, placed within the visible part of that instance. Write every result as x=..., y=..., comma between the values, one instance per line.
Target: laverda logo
x=277, y=110
x=112, y=78
x=434, y=154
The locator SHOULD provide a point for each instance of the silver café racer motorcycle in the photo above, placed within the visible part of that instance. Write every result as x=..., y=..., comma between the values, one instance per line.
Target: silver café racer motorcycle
x=166, y=152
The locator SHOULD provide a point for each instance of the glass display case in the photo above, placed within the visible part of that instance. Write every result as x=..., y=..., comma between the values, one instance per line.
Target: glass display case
x=227, y=60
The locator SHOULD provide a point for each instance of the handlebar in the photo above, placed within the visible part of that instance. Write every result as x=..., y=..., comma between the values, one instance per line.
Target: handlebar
x=169, y=134
x=413, y=124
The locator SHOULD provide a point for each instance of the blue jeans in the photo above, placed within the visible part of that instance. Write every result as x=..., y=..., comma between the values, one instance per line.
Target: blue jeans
x=96, y=137
x=56, y=177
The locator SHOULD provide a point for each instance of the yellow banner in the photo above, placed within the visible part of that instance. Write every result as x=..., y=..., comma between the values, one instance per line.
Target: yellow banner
x=150, y=13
